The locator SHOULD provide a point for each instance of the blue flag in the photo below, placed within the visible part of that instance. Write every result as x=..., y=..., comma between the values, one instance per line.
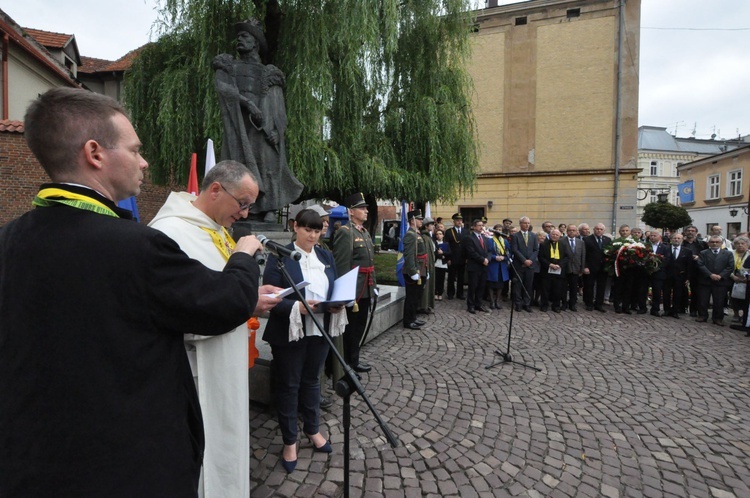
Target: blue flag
x=686, y=191
x=402, y=232
x=130, y=205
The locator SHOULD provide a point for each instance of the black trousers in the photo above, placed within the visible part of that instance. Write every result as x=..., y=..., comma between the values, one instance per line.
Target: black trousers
x=674, y=294
x=456, y=280
x=657, y=291
x=594, y=285
x=297, y=367
x=477, y=282
x=440, y=280
x=571, y=284
x=554, y=289
x=413, y=298
x=522, y=293
x=355, y=330
x=717, y=293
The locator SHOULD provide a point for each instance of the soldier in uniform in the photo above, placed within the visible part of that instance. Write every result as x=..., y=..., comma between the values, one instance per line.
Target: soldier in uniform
x=457, y=263
x=415, y=270
x=427, y=303
x=352, y=247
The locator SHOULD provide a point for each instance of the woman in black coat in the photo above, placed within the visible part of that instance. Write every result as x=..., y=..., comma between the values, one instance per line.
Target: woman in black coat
x=299, y=350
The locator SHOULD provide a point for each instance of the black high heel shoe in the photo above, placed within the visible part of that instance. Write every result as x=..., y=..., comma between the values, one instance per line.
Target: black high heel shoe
x=326, y=448
x=288, y=466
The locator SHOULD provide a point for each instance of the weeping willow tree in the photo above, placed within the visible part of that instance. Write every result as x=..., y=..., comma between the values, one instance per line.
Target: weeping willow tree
x=377, y=93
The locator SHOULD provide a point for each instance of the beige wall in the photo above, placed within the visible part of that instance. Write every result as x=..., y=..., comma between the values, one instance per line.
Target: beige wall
x=26, y=80
x=545, y=107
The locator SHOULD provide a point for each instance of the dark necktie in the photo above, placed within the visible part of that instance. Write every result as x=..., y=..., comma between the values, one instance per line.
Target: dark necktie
x=599, y=241
x=481, y=241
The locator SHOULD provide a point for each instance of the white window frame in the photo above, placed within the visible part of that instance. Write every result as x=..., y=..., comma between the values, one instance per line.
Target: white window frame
x=713, y=184
x=654, y=168
x=734, y=183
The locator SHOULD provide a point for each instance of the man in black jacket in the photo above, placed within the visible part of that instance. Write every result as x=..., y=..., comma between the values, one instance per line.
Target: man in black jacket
x=524, y=246
x=594, y=273
x=476, y=248
x=678, y=271
x=715, y=266
x=97, y=394
x=457, y=263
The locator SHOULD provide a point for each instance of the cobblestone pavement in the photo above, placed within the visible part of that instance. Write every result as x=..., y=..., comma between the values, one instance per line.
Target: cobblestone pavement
x=625, y=405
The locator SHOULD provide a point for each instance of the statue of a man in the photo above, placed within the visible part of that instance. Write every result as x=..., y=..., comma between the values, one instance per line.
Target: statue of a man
x=254, y=117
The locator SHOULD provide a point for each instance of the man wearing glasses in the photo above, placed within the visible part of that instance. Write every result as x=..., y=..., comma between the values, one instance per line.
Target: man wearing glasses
x=200, y=226
x=715, y=266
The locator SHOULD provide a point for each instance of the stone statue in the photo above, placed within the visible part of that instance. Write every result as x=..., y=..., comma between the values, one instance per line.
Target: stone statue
x=254, y=117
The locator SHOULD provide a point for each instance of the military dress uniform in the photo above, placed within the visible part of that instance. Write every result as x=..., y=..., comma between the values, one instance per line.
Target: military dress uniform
x=352, y=247
x=415, y=263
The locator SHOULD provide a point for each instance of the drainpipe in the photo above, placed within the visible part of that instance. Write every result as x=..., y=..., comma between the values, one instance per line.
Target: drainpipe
x=6, y=42
x=618, y=110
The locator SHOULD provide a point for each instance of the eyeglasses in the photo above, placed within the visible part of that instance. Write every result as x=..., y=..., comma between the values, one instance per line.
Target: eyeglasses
x=243, y=205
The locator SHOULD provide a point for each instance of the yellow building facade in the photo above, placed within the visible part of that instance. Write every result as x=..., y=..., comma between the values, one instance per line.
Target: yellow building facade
x=556, y=109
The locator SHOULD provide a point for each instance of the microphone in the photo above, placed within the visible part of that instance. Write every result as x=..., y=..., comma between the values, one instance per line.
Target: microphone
x=277, y=249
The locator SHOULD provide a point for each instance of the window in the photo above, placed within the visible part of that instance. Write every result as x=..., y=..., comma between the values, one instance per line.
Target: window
x=712, y=191
x=573, y=13
x=654, y=168
x=520, y=21
x=734, y=183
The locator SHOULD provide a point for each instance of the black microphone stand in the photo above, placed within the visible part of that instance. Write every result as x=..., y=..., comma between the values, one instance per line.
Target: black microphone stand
x=506, y=356
x=345, y=386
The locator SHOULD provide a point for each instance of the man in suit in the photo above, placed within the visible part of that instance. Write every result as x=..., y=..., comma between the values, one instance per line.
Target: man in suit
x=575, y=266
x=457, y=262
x=696, y=246
x=714, y=269
x=524, y=246
x=657, y=278
x=554, y=260
x=476, y=248
x=594, y=273
x=415, y=270
x=97, y=394
x=677, y=274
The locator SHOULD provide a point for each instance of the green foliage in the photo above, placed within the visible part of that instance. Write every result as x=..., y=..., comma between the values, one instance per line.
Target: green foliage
x=377, y=93
x=665, y=215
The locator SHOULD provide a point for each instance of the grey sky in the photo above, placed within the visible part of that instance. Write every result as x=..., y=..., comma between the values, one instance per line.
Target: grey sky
x=694, y=72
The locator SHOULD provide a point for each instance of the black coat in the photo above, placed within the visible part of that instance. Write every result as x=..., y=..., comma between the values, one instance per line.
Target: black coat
x=97, y=394
x=277, y=328
x=682, y=266
x=545, y=257
x=457, y=256
x=522, y=251
x=594, y=255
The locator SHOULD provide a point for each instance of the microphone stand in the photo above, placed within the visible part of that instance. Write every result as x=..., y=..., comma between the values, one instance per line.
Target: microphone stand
x=345, y=386
x=506, y=356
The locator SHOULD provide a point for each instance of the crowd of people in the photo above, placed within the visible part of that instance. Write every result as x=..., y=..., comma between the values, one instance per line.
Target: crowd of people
x=672, y=274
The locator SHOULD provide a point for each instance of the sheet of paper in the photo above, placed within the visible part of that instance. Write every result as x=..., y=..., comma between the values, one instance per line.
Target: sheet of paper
x=289, y=290
x=344, y=291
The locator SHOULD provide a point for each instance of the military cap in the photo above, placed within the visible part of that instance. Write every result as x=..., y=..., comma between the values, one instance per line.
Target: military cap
x=457, y=216
x=428, y=220
x=417, y=213
x=355, y=201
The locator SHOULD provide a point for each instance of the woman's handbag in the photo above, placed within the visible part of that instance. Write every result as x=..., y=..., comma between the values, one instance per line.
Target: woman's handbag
x=739, y=290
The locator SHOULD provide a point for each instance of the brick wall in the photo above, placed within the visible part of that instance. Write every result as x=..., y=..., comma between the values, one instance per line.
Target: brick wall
x=21, y=175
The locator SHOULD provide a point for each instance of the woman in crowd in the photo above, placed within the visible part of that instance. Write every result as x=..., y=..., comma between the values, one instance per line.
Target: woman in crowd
x=497, y=269
x=539, y=298
x=442, y=251
x=298, y=348
x=739, y=275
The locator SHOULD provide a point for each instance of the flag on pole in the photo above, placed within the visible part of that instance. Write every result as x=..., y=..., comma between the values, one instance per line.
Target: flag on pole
x=402, y=232
x=210, y=156
x=687, y=192
x=427, y=211
x=192, y=186
x=130, y=205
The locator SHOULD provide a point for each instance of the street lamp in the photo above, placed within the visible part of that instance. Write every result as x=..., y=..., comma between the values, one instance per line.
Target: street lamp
x=662, y=194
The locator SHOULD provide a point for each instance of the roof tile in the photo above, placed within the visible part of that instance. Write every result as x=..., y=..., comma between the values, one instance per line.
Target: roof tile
x=48, y=38
x=11, y=126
